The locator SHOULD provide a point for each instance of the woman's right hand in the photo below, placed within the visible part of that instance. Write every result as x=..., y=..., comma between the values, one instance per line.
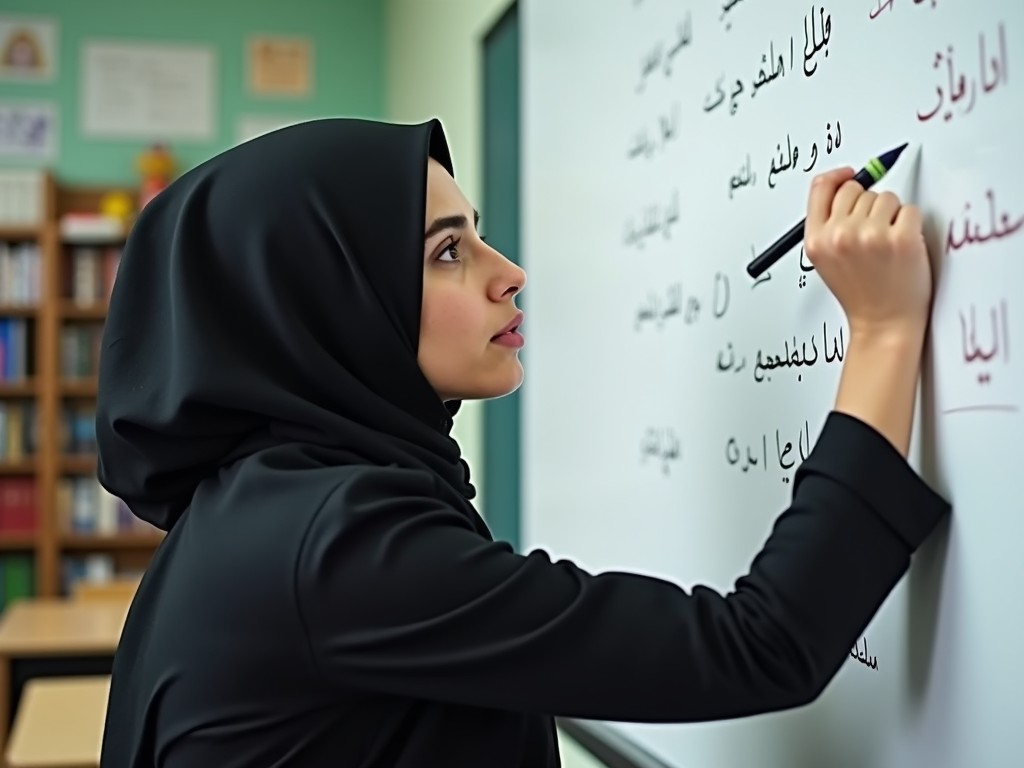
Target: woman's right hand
x=869, y=250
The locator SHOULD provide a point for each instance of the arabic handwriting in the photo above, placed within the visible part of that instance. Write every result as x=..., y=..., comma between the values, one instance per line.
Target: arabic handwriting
x=999, y=339
x=980, y=359
x=776, y=64
x=692, y=313
x=801, y=356
x=654, y=219
x=862, y=656
x=666, y=131
x=684, y=36
x=658, y=309
x=726, y=7
x=788, y=159
x=997, y=63
x=881, y=7
x=745, y=177
x=833, y=143
x=733, y=455
x=649, y=65
x=814, y=157
x=750, y=458
x=884, y=5
x=661, y=444
x=804, y=268
x=803, y=448
x=655, y=310
x=773, y=66
x=734, y=96
x=811, y=43
x=730, y=363
x=720, y=295
x=708, y=106
x=642, y=146
x=661, y=57
x=1005, y=227
x=960, y=86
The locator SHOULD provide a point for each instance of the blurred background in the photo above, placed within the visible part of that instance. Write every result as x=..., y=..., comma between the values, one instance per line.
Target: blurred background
x=102, y=104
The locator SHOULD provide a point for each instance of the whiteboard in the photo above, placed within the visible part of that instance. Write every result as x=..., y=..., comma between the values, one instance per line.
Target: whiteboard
x=664, y=144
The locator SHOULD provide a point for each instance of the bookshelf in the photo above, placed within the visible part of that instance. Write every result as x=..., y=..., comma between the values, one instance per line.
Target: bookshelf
x=26, y=239
x=56, y=524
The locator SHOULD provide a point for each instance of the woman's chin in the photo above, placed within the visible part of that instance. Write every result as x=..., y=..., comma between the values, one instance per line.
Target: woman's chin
x=499, y=384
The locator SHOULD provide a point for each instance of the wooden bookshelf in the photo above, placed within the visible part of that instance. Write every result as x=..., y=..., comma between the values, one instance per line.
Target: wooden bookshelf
x=17, y=541
x=24, y=254
x=61, y=394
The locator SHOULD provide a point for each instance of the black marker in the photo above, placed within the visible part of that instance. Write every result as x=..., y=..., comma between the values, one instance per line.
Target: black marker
x=870, y=174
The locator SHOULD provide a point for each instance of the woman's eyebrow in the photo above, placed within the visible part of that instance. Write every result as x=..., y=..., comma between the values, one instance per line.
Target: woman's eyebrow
x=457, y=221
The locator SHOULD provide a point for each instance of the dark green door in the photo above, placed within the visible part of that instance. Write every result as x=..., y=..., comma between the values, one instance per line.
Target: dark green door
x=501, y=224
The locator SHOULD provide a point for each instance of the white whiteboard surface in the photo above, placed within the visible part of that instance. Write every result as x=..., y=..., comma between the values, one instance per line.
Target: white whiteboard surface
x=645, y=194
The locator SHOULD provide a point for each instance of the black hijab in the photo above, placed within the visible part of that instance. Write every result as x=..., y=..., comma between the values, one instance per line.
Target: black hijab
x=271, y=296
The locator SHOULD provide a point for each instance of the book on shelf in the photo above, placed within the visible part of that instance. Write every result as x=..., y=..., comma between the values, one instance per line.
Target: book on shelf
x=86, y=508
x=19, y=502
x=17, y=578
x=20, y=273
x=17, y=355
x=80, y=349
x=89, y=279
x=78, y=428
x=19, y=430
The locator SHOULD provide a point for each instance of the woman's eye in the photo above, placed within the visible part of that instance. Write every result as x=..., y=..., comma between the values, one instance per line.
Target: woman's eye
x=452, y=250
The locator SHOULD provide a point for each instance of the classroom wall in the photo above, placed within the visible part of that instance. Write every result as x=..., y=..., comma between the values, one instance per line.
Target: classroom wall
x=434, y=70
x=348, y=63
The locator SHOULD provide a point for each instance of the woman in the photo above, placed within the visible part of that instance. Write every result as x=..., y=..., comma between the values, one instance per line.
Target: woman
x=294, y=324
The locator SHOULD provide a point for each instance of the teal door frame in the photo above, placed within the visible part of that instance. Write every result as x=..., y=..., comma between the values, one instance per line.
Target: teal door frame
x=501, y=222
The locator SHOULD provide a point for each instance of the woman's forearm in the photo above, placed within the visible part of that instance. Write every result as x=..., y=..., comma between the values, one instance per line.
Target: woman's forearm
x=879, y=382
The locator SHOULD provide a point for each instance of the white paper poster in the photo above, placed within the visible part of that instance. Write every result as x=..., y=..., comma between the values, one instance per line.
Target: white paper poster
x=148, y=91
x=280, y=66
x=28, y=130
x=251, y=126
x=28, y=49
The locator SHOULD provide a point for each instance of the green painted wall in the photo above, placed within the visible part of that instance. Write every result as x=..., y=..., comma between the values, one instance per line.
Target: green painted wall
x=349, y=66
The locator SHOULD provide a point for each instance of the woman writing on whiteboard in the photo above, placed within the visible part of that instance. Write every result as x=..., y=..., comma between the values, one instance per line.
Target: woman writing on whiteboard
x=293, y=326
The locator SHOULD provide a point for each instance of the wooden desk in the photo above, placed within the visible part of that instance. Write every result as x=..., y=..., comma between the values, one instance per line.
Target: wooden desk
x=60, y=723
x=33, y=629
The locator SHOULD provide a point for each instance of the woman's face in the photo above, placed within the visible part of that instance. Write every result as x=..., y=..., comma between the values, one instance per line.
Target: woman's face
x=469, y=294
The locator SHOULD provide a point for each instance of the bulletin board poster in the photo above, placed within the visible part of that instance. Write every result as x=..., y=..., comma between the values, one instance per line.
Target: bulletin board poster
x=28, y=131
x=28, y=49
x=280, y=66
x=148, y=91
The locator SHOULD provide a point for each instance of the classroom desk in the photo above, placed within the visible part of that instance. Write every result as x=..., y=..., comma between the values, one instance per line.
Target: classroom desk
x=57, y=637
x=60, y=723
